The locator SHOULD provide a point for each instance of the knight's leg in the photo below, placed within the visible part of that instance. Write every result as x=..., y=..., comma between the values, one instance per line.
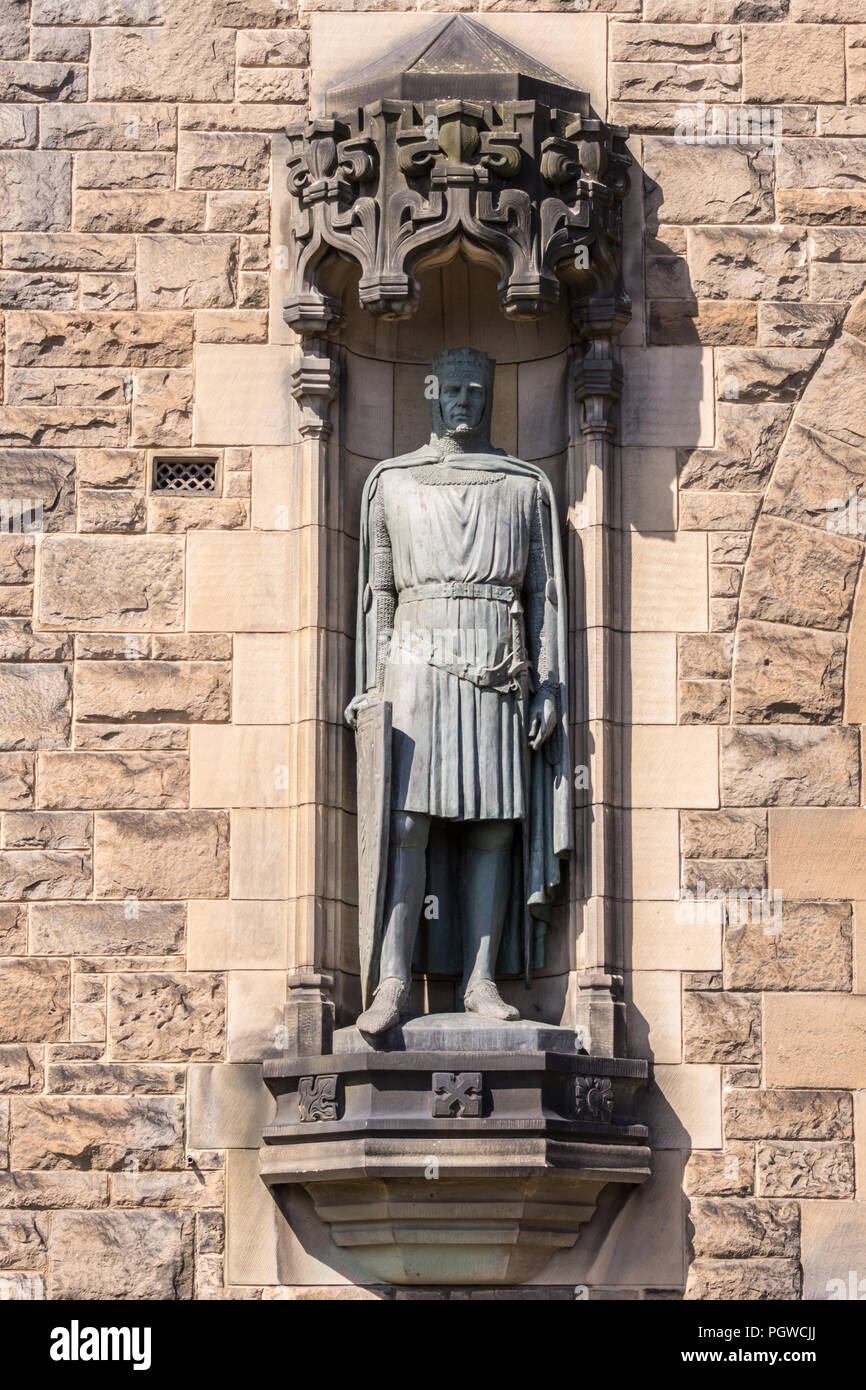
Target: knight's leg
x=407, y=874
x=486, y=881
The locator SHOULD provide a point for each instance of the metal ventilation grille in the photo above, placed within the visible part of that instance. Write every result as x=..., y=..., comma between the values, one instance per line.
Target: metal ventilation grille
x=184, y=474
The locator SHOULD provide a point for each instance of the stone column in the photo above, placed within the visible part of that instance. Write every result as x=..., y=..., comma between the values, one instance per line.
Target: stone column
x=597, y=383
x=318, y=566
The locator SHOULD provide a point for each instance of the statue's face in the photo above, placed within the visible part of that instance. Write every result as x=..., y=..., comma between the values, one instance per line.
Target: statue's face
x=462, y=400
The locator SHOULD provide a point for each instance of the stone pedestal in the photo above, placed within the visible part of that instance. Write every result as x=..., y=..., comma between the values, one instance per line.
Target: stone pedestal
x=457, y=1149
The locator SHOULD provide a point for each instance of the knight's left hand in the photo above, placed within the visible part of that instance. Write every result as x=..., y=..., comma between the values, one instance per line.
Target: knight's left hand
x=542, y=719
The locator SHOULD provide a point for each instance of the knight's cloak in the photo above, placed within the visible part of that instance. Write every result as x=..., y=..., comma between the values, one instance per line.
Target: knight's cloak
x=546, y=828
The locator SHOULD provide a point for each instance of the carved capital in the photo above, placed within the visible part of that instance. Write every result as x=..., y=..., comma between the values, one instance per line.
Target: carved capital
x=314, y=386
x=389, y=184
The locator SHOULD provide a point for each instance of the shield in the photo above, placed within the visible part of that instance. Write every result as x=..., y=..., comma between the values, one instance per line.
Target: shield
x=373, y=745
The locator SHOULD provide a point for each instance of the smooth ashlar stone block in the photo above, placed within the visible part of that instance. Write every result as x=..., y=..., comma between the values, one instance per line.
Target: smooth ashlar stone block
x=796, y=1030
x=833, y=1240
x=260, y=854
x=667, y=397
x=236, y=936
x=649, y=672
x=657, y=939
x=243, y=394
x=667, y=580
x=648, y=489
x=682, y=1105
x=246, y=766
x=654, y=1014
x=818, y=854
x=673, y=766
x=257, y=599
x=256, y=1014
x=650, y=848
x=228, y=1103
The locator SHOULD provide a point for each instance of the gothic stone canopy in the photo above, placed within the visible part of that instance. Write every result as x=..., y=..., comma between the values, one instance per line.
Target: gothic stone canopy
x=455, y=139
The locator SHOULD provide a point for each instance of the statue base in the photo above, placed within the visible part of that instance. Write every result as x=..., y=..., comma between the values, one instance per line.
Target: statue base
x=456, y=1149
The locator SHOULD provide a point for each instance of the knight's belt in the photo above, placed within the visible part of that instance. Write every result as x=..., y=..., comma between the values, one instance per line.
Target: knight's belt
x=499, y=593
x=503, y=677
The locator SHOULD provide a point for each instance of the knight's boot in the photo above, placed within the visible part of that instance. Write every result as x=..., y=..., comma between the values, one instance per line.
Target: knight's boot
x=486, y=883
x=484, y=998
x=386, y=1009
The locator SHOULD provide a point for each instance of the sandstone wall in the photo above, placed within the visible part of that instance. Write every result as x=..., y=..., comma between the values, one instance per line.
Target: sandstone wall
x=171, y=678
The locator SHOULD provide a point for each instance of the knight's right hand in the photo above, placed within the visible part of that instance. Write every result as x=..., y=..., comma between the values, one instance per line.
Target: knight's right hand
x=355, y=706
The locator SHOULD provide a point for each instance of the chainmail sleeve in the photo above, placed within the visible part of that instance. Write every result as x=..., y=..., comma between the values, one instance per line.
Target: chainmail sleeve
x=539, y=596
x=382, y=584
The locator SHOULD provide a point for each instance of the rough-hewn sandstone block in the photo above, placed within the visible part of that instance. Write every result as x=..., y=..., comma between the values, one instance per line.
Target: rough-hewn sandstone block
x=721, y=1027
x=34, y=190
x=46, y=830
x=138, y=211
x=791, y=765
x=787, y=1114
x=44, y=1191
x=705, y=656
x=97, y=1132
x=797, y=1028
x=44, y=874
x=35, y=705
x=805, y=1170
x=17, y=778
x=748, y=443
x=17, y=555
x=46, y=339
x=162, y=408
x=740, y=1227
x=693, y=183
x=814, y=479
x=151, y=691
x=216, y=159
x=154, y=64
x=801, y=576
x=190, y=1191
x=835, y=399
x=20, y=1068
x=119, y=510
x=121, y=468
x=727, y=1174
x=167, y=1018
x=827, y=164
x=162, y=854
x=723, y=834
x=114, y=1078
x=288, y=49
x=748, y=262
x=754, y=1280
x=797, y=325
x=810, y=945
x=102, y=582
x=759, y=374
x=34, y=1000
x=186, y=272
x=800, y=62
x=42, y=82
x=131, y=780
x=787, y=675
x=23, y=1240
x=108, y=126
x=46, y=476
x=146, y=1254
x=713, y=322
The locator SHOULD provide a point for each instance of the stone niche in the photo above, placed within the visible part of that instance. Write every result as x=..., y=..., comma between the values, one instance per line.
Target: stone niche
x=458, y=192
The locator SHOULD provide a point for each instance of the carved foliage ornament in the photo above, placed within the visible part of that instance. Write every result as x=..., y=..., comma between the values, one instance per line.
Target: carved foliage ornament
x=535, y=190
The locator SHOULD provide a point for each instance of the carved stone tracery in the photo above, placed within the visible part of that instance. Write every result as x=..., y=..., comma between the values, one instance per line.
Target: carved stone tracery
x=393, y=185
